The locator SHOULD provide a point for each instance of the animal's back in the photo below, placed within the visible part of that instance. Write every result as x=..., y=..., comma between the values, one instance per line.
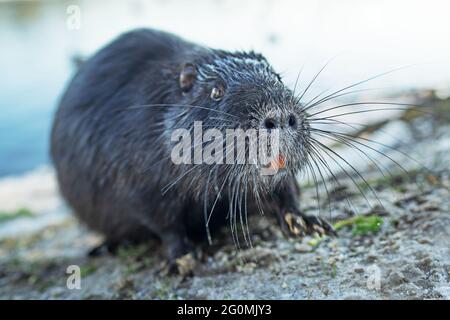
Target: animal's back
x=97, y=143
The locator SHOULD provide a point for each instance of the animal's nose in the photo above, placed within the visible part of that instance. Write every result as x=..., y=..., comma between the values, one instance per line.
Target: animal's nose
x=281, y=123
x=271, y=123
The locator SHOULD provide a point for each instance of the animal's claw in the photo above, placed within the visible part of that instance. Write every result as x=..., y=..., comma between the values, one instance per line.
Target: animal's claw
x=299, y=225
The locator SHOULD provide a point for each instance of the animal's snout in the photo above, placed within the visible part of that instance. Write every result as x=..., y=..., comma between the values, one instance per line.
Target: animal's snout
x=281, y=122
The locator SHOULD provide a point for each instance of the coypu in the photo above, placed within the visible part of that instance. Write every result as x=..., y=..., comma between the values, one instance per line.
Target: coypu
x=111, y=142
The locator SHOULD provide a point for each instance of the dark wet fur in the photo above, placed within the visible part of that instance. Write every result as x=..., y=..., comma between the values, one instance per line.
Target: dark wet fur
x=111, y=145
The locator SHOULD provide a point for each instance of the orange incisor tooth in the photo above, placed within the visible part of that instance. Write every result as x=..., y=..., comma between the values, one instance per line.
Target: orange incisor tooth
x=279, y=162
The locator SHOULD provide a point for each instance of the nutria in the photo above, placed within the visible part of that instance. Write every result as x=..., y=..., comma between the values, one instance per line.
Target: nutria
x=111, y=142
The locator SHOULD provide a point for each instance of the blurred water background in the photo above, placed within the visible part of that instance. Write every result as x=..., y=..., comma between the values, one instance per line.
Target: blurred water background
x=365, y=38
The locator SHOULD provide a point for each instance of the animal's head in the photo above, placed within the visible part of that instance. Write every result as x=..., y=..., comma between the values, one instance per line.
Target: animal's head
x=229, y=91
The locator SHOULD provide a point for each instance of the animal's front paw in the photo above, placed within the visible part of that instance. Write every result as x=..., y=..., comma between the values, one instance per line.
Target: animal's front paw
x=299, y=225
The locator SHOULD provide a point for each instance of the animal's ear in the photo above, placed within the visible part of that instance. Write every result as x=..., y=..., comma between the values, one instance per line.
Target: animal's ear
x=188, y=75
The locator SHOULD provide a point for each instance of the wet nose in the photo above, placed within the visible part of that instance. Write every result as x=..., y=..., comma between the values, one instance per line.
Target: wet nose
x=281, y=123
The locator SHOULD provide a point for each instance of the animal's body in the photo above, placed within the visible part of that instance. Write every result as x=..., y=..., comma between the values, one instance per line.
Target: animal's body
x=111, y=141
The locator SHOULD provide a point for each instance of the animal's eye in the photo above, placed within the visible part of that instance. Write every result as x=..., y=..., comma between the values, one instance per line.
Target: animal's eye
x=217, y=93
